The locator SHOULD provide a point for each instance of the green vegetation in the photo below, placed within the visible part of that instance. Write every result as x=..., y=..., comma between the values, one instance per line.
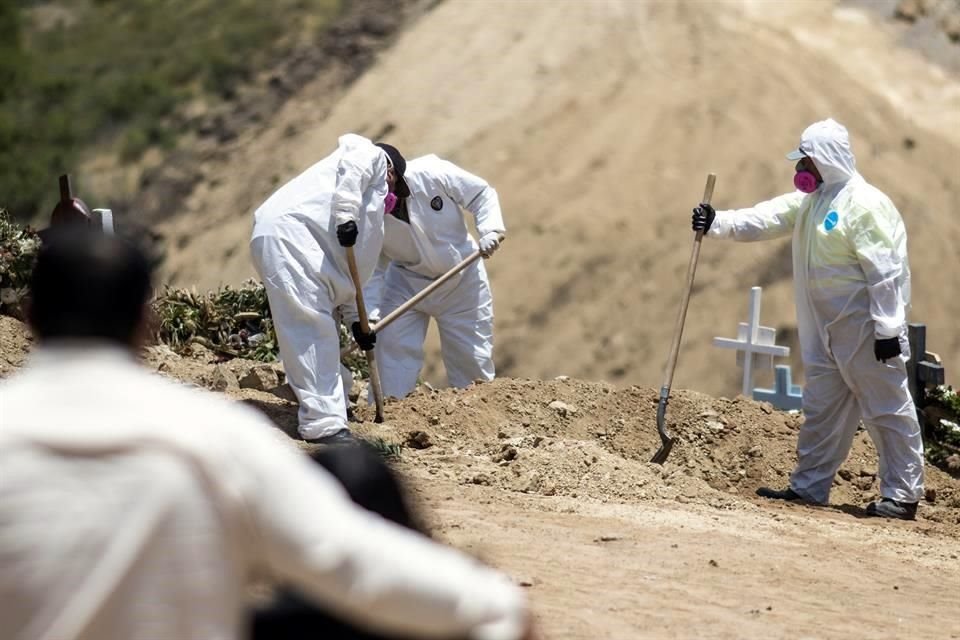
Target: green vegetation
x=232, y=322
x=942, y=414
x=18, y=251
x=78, y=73
x=385, y=449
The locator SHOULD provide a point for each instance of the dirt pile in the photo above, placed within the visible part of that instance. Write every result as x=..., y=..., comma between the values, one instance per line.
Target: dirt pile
x=562, y=437
x=15, y=343
x=574, y=438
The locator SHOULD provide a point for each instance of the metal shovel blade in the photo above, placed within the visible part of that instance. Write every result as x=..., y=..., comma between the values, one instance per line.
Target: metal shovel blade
x=666, y=440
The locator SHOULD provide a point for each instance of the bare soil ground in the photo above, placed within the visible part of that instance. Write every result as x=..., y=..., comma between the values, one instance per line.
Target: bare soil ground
x=549, y=480
x=597, y=122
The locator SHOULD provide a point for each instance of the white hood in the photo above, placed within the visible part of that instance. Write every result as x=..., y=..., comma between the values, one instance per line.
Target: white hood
x=828, y=144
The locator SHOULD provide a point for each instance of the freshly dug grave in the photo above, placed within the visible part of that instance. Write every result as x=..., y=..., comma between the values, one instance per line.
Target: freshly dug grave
x=562, y=437
x=567, y=437
x=575, y=438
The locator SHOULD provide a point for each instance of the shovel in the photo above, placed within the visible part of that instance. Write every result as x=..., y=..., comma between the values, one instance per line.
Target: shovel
x=666, y=440
x=365, y=327
x=416, y=298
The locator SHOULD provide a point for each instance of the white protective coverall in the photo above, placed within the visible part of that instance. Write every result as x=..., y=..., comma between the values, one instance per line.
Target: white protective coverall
x=435, y=240
x=120, y=523
x=851, y=285
x=304, y=269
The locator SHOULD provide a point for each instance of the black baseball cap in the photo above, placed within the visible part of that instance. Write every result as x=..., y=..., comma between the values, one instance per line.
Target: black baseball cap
x=399, y=167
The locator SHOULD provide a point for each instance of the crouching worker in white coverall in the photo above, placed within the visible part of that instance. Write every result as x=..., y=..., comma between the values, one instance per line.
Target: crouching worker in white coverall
x=298, y=242
x=133, y=508
x=852, y=291
x=425, y=237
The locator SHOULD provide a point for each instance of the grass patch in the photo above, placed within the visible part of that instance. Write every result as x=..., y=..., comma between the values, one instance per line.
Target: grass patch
x=388, y=450
x=78, y=73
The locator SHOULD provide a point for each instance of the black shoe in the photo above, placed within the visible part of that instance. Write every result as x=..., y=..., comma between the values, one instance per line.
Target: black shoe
x=889, y=508
x=342, y=437
x=779, y=494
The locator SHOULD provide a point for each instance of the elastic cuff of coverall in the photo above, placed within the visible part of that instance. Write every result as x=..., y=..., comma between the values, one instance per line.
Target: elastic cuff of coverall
x=882, y=332
x=350, y=315
x=345, y=216
x=321, y=428
x=901, y=495
x=721, y=227
x=807, y=497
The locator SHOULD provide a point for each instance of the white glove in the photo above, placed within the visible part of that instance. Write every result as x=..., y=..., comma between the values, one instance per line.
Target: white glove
x=489, y=243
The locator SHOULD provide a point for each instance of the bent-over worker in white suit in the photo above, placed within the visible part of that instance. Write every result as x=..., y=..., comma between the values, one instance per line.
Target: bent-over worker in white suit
x=298, y=248
x=852, y=293
x=425, y=236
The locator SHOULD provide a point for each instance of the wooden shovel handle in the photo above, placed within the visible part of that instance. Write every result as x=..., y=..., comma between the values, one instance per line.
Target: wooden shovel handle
x=365, y=327
x=685, y=301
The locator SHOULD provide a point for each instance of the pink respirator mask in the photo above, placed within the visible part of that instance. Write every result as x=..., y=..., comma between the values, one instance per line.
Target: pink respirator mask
x=389, y=202
x=805, y=181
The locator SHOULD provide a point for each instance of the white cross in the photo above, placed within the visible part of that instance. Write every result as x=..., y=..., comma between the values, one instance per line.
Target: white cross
x=755, y=341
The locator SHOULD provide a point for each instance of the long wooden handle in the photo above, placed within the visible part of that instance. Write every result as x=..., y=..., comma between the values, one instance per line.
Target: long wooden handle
x=365, y=327
x=355, y=276
x=420, y=295
x=691, y=272
x=430, y=288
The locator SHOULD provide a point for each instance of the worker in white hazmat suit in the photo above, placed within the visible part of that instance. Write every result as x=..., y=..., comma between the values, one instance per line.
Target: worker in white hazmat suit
x=297, y=247
x=425, y=236
x=852, y=291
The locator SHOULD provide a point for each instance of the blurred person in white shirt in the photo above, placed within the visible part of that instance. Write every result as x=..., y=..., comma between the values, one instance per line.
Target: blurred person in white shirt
x=134, y=508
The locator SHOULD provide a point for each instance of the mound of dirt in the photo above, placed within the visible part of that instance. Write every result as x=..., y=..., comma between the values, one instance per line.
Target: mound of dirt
x=15, y=343
x=563, y=437
x=574, y=438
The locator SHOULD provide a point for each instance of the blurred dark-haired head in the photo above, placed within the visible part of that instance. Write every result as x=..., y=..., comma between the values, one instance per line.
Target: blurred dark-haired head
x=88, y=285
x=369, y=481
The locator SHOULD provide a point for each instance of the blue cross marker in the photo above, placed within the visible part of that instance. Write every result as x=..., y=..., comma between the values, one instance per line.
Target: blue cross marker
x=785, y=396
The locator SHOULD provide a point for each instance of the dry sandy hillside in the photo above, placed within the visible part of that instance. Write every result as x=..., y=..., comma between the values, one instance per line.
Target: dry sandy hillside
x=598, y=122
x=549, y=480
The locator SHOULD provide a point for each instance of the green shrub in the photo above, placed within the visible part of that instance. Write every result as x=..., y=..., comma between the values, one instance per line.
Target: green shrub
x=18, y=252
x=115, y=73
x=942, y=417
x=231, y=321
x=234, y=322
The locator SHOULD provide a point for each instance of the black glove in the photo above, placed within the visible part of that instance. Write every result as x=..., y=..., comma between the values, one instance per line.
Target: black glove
x=347, y=233
x=366, y=341
x=703, y=217
x=886, y=348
